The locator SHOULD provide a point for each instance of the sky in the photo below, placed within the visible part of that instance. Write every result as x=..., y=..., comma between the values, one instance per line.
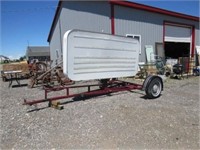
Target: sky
x=26, y=23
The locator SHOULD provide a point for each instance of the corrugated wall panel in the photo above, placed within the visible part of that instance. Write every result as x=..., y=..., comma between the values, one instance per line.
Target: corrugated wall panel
x=197, y=36
x=148, y=25
x=55, y=45
x=131, y=21
x=96, y=16
x=83, y=15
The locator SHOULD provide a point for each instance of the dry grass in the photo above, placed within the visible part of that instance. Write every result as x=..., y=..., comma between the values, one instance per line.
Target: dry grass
x=16, y=66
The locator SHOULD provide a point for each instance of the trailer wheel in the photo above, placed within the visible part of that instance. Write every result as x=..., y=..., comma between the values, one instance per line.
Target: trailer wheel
x=154, y=88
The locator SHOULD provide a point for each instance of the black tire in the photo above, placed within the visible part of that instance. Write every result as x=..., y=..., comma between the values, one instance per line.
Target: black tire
x=154, y=88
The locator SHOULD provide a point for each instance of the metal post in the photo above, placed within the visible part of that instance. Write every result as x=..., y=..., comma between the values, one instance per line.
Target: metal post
x=45, y=92
x=67, y=91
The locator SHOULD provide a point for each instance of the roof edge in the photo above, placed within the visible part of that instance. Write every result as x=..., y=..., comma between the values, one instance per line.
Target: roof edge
x=54, y=20
x=154, y=9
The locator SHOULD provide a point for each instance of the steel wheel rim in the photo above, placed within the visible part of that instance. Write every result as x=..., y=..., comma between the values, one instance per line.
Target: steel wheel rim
x=156, y=89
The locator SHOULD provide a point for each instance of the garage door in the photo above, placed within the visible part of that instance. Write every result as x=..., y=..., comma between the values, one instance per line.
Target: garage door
x=178, y=34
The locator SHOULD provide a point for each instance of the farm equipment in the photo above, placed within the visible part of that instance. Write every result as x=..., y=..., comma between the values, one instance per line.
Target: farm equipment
x=102, y=57
x=36, y=69
x=40, y=73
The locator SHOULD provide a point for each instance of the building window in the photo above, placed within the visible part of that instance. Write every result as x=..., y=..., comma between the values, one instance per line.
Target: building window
x=137, y=37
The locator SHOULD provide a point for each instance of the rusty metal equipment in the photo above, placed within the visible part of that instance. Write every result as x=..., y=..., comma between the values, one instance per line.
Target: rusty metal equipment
x=153, y=86
x=40, y=73
x=36, y=70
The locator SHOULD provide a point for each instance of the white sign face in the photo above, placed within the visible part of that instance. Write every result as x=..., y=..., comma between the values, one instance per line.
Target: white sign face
x=89, y=55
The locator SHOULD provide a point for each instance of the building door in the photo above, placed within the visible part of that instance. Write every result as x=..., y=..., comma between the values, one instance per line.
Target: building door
x=177, y=40
x=160, y=50
x=180, y=34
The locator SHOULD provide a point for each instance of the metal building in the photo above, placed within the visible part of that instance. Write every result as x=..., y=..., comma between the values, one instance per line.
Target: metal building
x=171, y=34
x=41, y=53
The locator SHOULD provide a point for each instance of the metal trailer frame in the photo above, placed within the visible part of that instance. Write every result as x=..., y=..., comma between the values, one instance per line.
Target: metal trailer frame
x=152, y=85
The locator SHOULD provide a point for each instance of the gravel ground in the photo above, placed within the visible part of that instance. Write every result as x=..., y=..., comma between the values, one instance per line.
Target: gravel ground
x=121, y=120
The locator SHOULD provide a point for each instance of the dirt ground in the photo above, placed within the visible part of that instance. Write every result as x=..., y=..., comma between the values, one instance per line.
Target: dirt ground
x=121, y=120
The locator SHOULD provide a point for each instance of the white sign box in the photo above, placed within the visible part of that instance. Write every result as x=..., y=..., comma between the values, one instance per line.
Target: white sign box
x=89, y=55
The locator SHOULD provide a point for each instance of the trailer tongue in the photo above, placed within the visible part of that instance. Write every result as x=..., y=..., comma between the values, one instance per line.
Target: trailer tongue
x=103, y=57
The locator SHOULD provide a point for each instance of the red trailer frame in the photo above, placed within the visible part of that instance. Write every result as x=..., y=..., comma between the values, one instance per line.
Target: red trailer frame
x=152, y=85
x=113, y=86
